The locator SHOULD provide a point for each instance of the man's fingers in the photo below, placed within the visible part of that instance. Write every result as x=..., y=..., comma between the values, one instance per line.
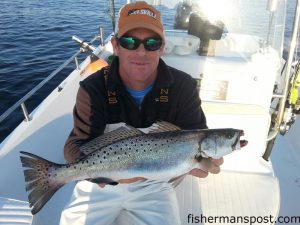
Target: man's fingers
x=130, y=180
x=198, y=173
x=218, y=162
x=207, y=165
x=101, y=185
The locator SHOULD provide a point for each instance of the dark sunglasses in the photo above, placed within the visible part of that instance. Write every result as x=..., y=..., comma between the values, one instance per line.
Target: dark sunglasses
x=131, y=43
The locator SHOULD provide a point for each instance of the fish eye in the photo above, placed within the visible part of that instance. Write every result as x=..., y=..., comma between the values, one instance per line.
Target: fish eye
x=230, y=135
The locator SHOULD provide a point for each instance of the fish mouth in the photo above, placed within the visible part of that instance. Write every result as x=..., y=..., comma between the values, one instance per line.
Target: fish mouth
x=242, y=143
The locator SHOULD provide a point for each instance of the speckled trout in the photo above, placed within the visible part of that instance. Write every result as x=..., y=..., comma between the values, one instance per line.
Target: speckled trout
x=164, y=153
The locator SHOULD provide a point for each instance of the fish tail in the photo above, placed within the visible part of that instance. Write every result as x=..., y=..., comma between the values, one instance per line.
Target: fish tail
x=38, y=182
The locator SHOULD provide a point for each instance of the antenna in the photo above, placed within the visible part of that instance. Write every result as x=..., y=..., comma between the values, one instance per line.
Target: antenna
x=112, y=14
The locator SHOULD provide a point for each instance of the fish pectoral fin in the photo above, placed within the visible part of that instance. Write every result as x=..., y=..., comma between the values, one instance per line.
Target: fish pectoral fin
x=103, y=180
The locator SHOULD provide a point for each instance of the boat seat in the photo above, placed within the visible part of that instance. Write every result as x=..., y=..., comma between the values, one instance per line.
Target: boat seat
x=14, y=212
x=181, y=44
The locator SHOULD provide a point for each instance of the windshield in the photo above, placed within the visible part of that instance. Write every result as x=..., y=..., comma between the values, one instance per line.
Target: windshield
x=260, y=19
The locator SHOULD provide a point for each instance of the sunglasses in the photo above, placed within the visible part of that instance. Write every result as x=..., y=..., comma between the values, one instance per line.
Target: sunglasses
x=131, y=43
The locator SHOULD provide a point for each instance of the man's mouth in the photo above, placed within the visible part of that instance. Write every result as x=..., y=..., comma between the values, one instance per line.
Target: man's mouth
x=139, y=63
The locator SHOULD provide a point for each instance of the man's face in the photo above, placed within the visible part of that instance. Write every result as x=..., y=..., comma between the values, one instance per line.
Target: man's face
x=138, y=68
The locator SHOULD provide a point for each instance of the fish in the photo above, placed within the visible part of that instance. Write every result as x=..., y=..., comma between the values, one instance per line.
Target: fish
x=164, y=153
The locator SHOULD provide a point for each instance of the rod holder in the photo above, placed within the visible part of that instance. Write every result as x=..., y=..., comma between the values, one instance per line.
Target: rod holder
x=101, y=35
x=86, y=46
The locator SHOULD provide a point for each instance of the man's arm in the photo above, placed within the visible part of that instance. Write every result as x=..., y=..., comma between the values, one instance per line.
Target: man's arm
x=89, y=122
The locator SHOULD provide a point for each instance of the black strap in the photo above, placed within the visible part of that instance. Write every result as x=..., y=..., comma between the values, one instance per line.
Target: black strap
x=163, y=105
x=114, y=107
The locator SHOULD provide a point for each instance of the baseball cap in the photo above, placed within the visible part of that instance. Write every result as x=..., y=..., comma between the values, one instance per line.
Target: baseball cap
x=139, y=15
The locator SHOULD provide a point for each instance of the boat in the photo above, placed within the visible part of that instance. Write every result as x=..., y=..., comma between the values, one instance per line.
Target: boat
x=234, y=50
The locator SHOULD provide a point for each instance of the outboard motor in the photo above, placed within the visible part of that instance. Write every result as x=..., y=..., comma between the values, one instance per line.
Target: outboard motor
x=204, y=29
x=182, y=16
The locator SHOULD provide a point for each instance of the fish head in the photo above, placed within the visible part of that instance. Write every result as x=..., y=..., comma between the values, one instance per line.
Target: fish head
x=217, y=143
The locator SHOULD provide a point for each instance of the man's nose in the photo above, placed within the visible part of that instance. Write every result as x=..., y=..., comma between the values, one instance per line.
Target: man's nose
x=141, y=49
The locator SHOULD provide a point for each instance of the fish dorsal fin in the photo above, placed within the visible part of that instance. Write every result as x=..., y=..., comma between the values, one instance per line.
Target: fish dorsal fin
x=109, y=138
x=162, y=126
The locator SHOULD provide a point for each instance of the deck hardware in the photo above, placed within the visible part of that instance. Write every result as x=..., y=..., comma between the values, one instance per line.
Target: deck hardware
x=101, y=36
x=25, y=112
x=77, y=63
x=272, y=8
x=84, y=45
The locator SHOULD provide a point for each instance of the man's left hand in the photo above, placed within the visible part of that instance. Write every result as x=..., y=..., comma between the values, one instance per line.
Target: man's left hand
x=207, y=165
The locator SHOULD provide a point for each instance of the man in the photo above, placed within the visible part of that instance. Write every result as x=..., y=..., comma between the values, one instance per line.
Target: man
x=138, y=89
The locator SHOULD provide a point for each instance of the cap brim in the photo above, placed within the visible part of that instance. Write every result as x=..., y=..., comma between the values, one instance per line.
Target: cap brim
x=135, y=25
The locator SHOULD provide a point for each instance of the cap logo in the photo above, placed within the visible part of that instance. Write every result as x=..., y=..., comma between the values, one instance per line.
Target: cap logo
x=146, y=12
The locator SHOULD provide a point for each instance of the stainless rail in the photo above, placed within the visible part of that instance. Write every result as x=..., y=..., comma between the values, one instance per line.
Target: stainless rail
x=287, y=72
x=21, y=102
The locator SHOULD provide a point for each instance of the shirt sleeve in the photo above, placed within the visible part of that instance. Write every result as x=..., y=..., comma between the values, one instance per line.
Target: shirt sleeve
x=89, y=122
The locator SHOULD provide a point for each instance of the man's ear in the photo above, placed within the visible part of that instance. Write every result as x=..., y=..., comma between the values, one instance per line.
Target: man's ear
x=115, y=46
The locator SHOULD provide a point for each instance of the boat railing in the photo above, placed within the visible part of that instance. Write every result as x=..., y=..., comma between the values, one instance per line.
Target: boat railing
x=84, y=47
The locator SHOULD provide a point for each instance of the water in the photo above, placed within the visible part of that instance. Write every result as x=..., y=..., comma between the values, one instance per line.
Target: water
x=35, y=38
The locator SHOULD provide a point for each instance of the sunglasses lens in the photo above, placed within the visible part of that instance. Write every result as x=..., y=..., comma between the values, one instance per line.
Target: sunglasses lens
x=152, y=44
x=131, y=43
